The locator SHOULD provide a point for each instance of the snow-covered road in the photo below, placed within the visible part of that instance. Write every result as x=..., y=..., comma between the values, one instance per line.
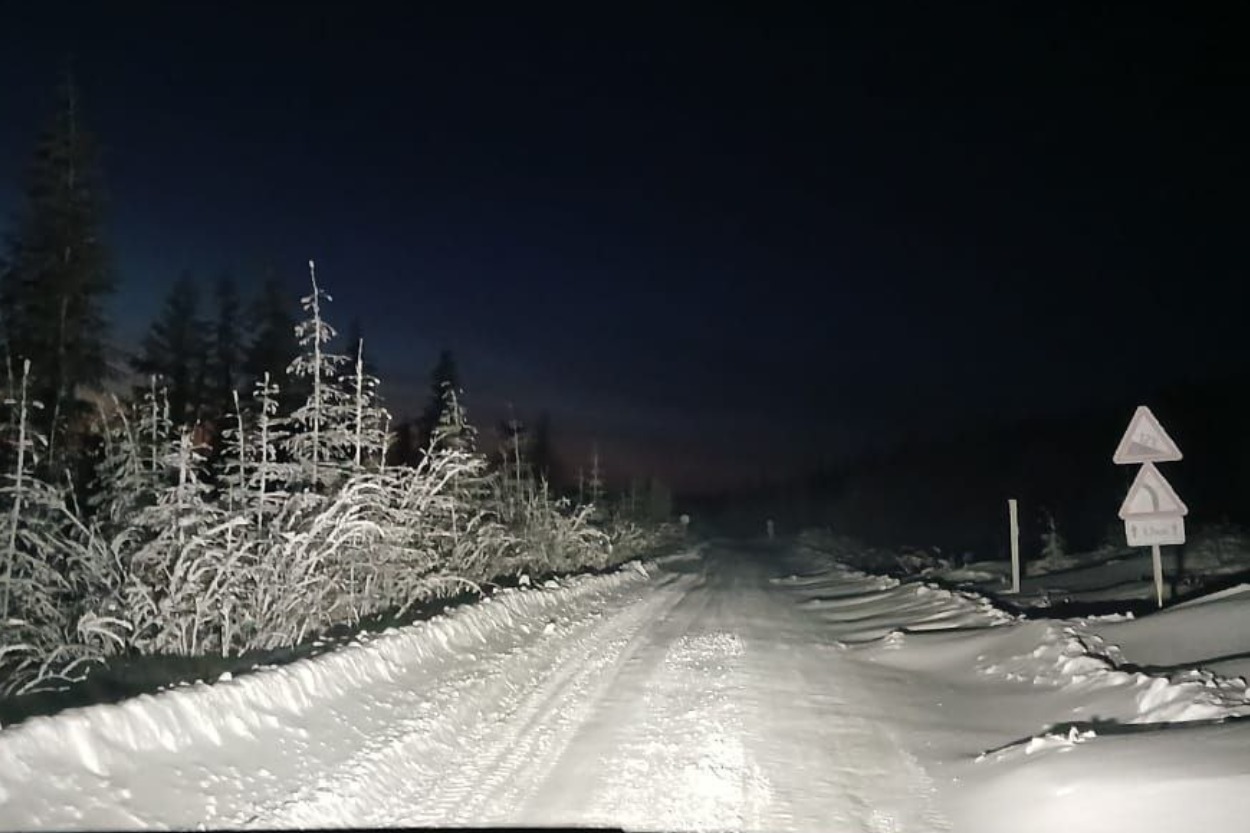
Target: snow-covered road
x=710, y=694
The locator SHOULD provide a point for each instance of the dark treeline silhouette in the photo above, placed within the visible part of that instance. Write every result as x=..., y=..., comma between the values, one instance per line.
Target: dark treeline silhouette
x=56, y=274
x=952, y=492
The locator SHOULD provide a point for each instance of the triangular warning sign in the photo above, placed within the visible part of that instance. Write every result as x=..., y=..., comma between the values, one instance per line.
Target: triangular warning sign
x=1151, y=494
x=1145, y=441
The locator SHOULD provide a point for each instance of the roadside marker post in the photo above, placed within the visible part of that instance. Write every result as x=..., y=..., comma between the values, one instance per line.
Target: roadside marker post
x=1014, y=516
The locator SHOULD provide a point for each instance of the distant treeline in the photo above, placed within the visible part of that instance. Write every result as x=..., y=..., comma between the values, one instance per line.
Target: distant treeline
x=952, y=492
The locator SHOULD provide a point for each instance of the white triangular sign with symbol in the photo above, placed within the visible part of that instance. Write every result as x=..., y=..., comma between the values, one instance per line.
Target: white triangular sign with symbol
x=1150, y=494
x=1145, y=441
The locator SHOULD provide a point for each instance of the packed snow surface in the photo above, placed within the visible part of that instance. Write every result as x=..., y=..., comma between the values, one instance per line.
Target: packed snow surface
x=734, y=687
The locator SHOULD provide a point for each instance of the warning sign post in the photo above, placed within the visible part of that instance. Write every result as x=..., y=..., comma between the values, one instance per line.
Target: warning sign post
x=1153, y=514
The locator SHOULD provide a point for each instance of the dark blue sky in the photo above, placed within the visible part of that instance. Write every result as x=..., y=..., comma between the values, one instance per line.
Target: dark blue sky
x=723, y=244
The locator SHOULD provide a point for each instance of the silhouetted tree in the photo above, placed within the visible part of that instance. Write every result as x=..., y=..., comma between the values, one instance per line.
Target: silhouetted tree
x=406, y=448
x=274, y=345
x=59, y=273
x=174, y=351
x=445, y=377
x=226, y=361
x=542, y=455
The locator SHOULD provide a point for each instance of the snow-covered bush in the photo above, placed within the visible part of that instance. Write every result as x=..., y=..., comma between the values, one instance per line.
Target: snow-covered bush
x=291, y=526
x=53, y=569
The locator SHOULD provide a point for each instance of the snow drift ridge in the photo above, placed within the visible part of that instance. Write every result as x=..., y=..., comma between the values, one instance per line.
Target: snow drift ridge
x=175, y=719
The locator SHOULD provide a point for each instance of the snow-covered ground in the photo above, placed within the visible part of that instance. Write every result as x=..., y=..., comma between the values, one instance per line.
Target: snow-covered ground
x=735, y=687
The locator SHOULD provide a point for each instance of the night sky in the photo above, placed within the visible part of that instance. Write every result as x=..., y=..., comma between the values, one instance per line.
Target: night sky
x=723, y=245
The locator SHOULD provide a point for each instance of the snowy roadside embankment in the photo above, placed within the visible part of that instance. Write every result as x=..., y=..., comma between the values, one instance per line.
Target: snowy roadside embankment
x=1078, y=724
x=1072, y=654
x=208, y=713
x=1055, y=654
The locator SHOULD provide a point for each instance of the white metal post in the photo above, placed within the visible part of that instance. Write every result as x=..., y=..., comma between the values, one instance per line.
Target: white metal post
x=1158, y=565
x=1013, y=512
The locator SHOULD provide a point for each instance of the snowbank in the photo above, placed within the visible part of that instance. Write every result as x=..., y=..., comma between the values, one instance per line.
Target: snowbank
x=1162, y=778
x=176, y=719
x=1211, y=632
x=1082, y=724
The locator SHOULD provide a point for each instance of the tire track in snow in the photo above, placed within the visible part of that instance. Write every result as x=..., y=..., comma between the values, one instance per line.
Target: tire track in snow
x=532, y=740
x=669, y=751
x=468, y=746
x=740, y=715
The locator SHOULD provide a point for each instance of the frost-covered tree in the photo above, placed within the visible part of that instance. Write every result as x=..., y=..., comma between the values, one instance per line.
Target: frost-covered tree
x=594, y=478
x=175, y=572
x=453, y=429
x=372, y=421
x=267, y=473
x=130, y=471
x=514, y=468
x=322, y=428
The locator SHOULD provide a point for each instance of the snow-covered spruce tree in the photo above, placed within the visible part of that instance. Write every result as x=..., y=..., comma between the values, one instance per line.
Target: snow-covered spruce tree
x=180, y=575
x=513, y=482
x=236, y=460
x=371, y=421
x=594, y=484
x=266, y=471
x=321, y=428
x=453, y=430
x=130, y=470
x=453, y=447
x=594, y=487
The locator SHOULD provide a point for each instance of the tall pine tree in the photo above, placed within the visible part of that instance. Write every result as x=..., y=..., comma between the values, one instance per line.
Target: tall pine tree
x=59, y=273
x=445, y=378
x=542, y=454
x=175, y=351
x=225, y=371
x=274, y=345
x=322, y=436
